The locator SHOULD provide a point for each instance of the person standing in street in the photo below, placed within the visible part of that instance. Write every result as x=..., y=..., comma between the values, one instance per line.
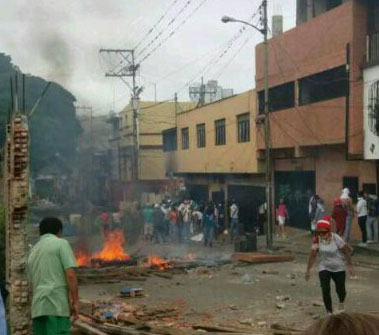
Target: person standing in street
x=148, y=229
x=347, y=204
x=339, y=215
x=186, y=216
x=312, y=207
x=333, y=253
x=209, y=226
x=372, y=218
x=282, y=217
x=51, y=269
x=362, y=217
x=234, y=214
x=174, y=230
x=158, y=224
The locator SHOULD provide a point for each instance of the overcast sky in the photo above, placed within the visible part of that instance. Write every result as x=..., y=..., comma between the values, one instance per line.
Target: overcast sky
x=59, y=40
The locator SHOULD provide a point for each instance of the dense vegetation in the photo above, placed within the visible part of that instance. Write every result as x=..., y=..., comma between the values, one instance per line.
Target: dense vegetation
x=54, y=127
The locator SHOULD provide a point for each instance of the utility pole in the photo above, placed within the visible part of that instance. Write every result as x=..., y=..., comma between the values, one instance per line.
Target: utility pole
x=263, y=29
x=128, y=68
x=269, y=225
x=201, y=91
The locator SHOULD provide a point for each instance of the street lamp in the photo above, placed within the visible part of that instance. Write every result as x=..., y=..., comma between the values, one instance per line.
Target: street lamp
x=268, y=182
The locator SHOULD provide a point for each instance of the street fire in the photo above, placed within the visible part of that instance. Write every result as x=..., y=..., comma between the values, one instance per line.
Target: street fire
x=82, y=258
x=113, y=251
x=158, y=263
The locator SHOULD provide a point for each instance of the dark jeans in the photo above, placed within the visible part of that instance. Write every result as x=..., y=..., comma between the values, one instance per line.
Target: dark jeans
x=339, y=280
x=362, y=224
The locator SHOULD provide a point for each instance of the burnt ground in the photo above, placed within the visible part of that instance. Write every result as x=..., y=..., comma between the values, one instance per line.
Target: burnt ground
x=238, y=293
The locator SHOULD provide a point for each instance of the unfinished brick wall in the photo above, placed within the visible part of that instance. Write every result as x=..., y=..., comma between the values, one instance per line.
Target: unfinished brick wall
x=16, y=178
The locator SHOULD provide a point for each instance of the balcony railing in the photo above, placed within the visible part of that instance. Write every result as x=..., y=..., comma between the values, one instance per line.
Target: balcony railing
x=373, y=48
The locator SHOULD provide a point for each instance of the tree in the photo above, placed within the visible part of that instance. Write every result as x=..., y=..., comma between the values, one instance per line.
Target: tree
x=54, y=128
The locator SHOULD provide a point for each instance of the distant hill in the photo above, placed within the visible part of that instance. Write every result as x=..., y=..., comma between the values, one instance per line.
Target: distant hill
x=54, y=127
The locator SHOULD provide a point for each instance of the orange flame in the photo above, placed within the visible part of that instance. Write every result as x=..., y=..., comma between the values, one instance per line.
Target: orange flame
x=82, y=259
x=113, y=250
x=159, y=263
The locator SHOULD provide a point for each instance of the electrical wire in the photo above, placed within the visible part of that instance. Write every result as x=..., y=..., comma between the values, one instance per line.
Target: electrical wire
x=156, y=24
x=162, y=31
x=173, y=32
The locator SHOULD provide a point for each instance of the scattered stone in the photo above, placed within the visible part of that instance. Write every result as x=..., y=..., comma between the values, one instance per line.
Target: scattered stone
x=317, y=304
x=233, y=307
x=283, y=298
x=300, y=303
x=293, y=284
x=246, y=278
x=267, y=272
x=247, y=322
x=280, y=305
x=262, y=324
x=291, y=276
x=316, y=316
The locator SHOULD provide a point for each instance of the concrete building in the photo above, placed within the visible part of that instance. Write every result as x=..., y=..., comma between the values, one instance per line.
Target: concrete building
x=212, y=92
x=316, y=103
x=213, y=149
x=371, y=85
x=151, y=176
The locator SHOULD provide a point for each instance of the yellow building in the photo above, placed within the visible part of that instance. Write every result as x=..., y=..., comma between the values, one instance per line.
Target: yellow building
x=153, y=119
x=213, y=148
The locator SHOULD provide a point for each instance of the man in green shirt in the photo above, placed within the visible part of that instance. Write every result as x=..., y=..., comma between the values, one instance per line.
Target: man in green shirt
x=51, y=270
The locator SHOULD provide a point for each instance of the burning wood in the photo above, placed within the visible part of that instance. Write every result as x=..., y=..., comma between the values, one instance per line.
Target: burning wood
x=159, y=263
x=113, y=252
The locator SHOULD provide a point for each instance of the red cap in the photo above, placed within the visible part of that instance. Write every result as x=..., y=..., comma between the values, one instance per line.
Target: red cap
x=324, y=223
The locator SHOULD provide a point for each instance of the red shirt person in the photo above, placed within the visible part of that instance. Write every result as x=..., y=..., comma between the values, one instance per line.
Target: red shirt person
x=339, y=215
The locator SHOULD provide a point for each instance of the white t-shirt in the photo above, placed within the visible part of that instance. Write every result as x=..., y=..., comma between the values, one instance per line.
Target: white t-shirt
x=331, y=257
x=361, y=207
x=234, y=211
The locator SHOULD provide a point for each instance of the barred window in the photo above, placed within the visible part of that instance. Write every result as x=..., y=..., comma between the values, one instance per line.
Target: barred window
x=169, y=140
x=243, y=124
x=220, y=132
x=185, y=138
x=200, y=129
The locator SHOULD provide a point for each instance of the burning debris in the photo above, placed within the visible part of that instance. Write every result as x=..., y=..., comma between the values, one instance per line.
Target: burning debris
x=112, y=253
x=159, y=263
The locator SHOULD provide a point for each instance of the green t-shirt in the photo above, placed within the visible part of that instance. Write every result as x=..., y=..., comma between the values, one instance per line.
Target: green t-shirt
x=47, y=264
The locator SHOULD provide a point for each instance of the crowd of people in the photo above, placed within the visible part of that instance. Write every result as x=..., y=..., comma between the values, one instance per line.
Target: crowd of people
x=170, y=222
x=344, y=211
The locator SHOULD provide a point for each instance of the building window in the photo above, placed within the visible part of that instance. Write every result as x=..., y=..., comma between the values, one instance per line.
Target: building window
x=170, y=140
x=243, y=123
x=200, y=130
x=220, y=132
x=280, y=97
x=185, y=138
x=325, y=85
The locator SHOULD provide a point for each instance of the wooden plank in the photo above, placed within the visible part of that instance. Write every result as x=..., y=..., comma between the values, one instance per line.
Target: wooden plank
x=210, y=328
x=87, y=329
x=257, y=258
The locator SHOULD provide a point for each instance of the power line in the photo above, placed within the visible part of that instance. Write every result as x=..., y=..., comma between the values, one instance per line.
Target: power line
x=219, y=73
x=170, y=23
x=156, y=24
x=174, y=31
